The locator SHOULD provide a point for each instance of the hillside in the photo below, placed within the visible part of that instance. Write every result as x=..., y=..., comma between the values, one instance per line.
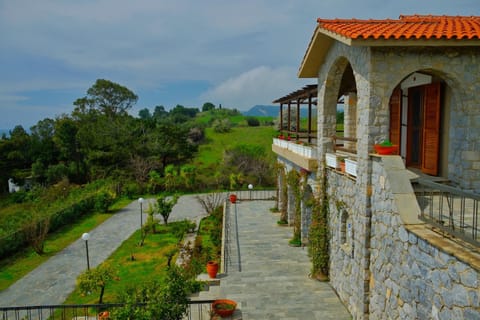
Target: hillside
x=262, y=111
x=272, y=111
x=209, y=158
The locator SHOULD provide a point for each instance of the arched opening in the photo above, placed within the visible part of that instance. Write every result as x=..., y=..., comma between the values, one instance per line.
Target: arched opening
x=340, y=107
x=418, y=117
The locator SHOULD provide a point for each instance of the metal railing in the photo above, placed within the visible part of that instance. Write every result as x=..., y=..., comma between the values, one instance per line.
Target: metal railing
x=450, y=209
x=197, y=310
x=255, y=194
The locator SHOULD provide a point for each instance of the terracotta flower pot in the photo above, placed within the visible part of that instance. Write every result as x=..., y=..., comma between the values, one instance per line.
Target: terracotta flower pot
x=233, y=198
x=385, y=150
x=224, y=307
x=212, y=269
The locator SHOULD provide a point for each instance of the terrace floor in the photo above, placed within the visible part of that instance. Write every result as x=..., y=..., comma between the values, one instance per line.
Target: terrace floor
x=267, y=277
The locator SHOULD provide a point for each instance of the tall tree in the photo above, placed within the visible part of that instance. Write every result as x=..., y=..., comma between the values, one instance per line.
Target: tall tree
x=109, y=98
x=208, y=106
x=44, y=149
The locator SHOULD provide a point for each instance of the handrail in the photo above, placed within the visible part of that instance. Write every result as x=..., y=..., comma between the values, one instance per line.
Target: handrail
x=350, y=142
x=450, y=209
x=88, y=311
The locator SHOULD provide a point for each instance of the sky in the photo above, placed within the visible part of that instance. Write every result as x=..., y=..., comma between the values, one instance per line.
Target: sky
x=237, y=53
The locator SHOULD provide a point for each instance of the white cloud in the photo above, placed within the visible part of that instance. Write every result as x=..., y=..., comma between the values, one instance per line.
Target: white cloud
x=260, y=85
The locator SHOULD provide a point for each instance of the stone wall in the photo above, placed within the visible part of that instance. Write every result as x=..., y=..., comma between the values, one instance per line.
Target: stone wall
x=411, y=278
x=347, y=267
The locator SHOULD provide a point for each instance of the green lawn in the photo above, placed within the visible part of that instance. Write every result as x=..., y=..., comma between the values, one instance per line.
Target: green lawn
x=18, y=265
x=149, y=262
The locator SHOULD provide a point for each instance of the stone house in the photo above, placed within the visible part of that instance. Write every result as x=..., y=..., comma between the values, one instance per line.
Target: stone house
x=404, y=240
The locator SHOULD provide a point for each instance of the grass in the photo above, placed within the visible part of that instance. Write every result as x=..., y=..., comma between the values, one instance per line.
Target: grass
x=212, y=153
x=150, y=262
x=18, y=265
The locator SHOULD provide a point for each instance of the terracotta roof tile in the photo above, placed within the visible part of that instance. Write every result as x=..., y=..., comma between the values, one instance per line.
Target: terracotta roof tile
x=406, y=27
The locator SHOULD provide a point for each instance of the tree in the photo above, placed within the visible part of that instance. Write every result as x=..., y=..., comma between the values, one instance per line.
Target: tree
x=144, y=114
x=208, y=106
x=109, y=98
x=250, y=160
x=167, y=301
x=159, y=112
x=66, y=141
x=36, y=232
x=96, y=279
x=169, y=142
x=164, y=207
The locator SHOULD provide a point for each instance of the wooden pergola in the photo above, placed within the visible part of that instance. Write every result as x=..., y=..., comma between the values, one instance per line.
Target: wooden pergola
x=305, y=96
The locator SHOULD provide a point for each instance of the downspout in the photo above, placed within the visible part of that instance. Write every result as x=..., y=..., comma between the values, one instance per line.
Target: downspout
x=368, y=238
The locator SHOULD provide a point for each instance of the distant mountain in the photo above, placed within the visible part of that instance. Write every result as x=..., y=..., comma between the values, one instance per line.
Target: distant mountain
x=272, y=111
x=263, y=111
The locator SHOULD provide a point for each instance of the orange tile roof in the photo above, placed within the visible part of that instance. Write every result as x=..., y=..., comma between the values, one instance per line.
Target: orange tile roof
x=406, y=27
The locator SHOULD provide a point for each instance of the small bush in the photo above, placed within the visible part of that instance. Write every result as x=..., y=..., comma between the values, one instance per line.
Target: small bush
x=252, y=121
x=222, y=126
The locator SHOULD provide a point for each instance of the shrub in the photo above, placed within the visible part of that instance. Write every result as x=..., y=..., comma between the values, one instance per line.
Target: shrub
x=222, y=126
x=252, y=121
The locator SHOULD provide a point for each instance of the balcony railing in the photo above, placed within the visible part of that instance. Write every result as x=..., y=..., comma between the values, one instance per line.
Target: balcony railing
x=449, y=209
x=297, y=148
x=197, y=310
x=346, y=144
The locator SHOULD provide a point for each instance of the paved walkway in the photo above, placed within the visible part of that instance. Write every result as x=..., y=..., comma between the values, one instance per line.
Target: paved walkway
x=54, y=280
x=273, y=282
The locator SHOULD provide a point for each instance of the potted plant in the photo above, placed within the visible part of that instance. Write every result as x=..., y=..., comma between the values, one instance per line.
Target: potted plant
x=224, y=307
x=212, y=269
x=386, y=147
x=341, y=160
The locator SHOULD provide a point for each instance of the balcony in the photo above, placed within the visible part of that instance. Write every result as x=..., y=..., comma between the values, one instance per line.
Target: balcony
x=305, y=156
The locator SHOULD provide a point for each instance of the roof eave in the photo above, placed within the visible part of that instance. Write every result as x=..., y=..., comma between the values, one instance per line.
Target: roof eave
x=443, y=42
x=323, y=39
x=314, y=56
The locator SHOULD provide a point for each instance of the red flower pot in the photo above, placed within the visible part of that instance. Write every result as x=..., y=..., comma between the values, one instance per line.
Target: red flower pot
x=233, y=198
x=386, y=150
x=212, y=269
x=224, y=307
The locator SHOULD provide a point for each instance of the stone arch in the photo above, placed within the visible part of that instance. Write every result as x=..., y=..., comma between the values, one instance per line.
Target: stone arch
x=451, y=91
x=340, y=81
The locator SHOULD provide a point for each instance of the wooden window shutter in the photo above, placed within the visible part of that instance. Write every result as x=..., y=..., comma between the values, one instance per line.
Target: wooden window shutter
x=431, y=129
x=395, y=116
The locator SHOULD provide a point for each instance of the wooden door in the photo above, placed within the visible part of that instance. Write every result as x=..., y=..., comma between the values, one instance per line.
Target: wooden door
x=415, y=127
x=431, y=131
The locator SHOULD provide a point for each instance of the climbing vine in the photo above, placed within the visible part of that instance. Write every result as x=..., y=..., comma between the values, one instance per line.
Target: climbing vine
x=284, y=194
x=293, y=181
x=318, y=248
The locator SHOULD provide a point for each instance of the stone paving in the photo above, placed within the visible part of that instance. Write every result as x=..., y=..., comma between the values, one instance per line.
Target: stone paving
x=269, y=279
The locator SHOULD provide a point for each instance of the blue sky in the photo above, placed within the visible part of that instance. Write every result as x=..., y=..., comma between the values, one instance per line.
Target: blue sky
x=235, y=53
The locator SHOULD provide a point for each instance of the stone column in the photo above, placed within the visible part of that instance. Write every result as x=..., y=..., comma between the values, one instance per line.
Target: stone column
x=350, y=119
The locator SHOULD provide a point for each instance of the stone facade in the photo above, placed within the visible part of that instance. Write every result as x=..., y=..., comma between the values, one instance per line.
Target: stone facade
x=383, y=261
